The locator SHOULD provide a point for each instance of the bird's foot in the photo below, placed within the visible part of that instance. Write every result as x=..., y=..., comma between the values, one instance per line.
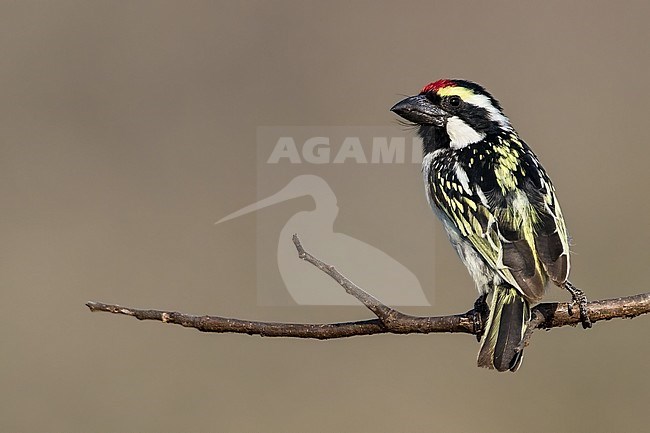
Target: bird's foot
x=481, y=312
x=580, y=299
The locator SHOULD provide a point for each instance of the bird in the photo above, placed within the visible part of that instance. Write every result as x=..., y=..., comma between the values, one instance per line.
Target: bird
x=498, y=207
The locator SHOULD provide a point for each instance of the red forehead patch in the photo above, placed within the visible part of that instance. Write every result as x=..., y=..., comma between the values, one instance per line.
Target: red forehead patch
x=437, y=85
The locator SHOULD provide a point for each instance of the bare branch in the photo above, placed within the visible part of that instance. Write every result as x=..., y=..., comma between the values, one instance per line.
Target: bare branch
x=387, y=315
x=323, y=331
x=389, y=320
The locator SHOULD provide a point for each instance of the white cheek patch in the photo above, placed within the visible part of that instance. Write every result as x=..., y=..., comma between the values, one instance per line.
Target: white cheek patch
x=461, y=134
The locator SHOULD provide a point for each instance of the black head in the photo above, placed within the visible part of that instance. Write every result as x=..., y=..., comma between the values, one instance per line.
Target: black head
x=462, y=110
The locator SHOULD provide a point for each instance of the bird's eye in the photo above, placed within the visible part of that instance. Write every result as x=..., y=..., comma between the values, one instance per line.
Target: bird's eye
x=455, y=101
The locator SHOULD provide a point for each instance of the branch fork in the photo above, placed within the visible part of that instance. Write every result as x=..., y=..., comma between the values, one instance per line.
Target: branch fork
x=388, y=320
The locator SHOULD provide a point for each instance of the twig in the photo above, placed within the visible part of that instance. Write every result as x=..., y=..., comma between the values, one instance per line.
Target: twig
x=389, y=320
x=387, y=315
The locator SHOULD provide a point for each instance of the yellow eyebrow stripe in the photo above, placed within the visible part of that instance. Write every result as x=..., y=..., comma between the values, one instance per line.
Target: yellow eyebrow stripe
x=463, y=92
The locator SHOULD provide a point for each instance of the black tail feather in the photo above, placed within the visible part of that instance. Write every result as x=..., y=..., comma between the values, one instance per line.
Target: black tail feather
x=509, y=314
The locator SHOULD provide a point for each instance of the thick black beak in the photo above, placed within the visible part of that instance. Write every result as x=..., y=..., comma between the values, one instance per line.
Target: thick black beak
x=418, y=109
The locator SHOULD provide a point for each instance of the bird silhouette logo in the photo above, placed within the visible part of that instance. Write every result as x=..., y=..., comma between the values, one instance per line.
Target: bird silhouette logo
x=371, y=268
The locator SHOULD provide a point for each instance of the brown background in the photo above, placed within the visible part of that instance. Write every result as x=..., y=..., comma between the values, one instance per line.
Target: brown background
x=127, y=129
